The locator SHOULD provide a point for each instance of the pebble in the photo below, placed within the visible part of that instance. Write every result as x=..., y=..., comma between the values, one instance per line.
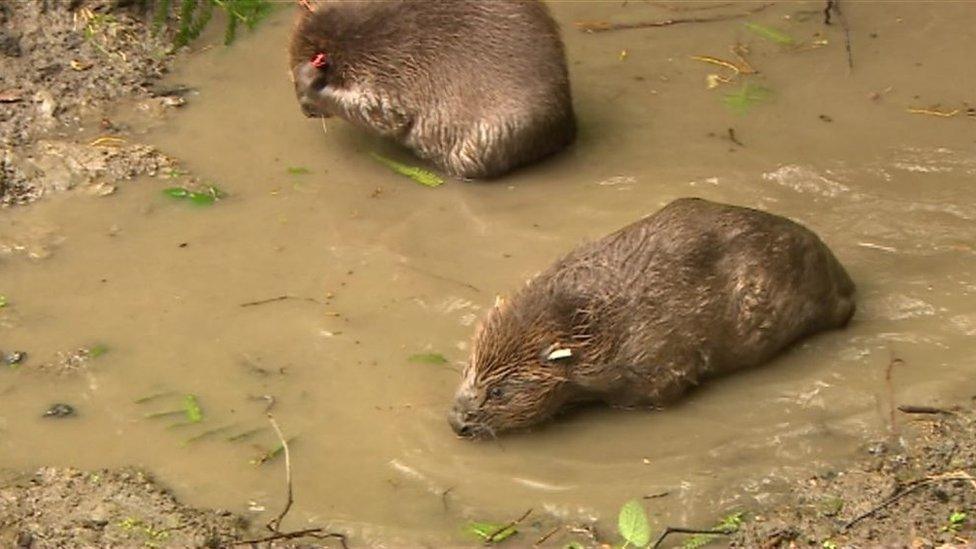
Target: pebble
x=60, y=410
x=14, y=357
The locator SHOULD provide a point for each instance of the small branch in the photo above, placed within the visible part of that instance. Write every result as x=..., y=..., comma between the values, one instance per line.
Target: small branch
x=733, y=138
x=444, y=495
x=439, y=277
x=604, y=26
x=278, y=298
x=679, y=530
x=546, y=536
x=309, y=532
x=833, y=6
x=275, y=523
x=657, y=495
x=489, y=539
x=953, y=476
x=889, y=387
x=910, y=409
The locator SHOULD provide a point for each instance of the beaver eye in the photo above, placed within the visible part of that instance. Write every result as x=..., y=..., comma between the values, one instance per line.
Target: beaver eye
x=495, y=392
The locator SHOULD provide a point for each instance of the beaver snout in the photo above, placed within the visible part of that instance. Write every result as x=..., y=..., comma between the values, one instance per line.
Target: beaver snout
x=464, y=420
x=309, y=83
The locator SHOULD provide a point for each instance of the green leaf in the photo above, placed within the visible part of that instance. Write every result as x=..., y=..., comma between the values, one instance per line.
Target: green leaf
x=428, y=358
x=176, y=192
x=420, y=175
x=202, y=199
x=490, y=532
x=957, y=518
x=299, y=170
x=98, y=350
x=632, y=524
x=191, y=408
x=3, y=301
x=771, y=34
x=749, y=95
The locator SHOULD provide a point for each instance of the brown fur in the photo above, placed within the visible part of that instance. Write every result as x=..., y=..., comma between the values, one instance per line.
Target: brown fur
x=694, y=290
x=479, y=87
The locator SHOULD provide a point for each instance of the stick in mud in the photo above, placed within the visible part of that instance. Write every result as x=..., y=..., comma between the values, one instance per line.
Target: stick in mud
x=910, y=409
x=546, y=536
x=680, y=530
x=889, y=387
x=603, y=26
x=489, y=539
x=943, y=477
x=275, y=523
x=834, y=6
x=277, y=298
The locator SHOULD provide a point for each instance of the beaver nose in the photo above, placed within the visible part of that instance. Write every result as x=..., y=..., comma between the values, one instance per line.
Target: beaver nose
x=460, y=421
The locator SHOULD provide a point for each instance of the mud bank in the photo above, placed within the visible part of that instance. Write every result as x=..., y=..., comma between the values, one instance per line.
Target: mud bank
x=63, y=67
x=916, y=489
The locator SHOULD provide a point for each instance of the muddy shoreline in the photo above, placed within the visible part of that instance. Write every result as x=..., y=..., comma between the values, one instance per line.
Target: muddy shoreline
x=66, y=72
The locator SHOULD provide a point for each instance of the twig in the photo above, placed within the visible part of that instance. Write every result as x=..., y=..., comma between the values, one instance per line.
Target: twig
x=444, y=495
x=309, y=532
x=733, y=138
x=439, y=277
x=955, y=475
x=889, y=387
x=657, y=495
x=546, y=536
x=276, y=522
x=277, y=298
x=834, y=6
x=489, y=539
x=933, y=112
x=604, y=26
x=910, y=409
x=679, y=530
x=827, y=9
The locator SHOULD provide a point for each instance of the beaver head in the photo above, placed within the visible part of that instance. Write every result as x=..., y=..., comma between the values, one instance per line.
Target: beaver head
x=319, y=54
x=519, y=373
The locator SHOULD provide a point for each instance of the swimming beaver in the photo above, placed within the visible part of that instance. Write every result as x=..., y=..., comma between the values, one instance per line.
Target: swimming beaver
x=640, y=316
x=477, y=87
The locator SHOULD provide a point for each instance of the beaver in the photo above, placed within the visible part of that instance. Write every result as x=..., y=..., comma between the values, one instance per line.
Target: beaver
x=639, y=317
x=478, y=87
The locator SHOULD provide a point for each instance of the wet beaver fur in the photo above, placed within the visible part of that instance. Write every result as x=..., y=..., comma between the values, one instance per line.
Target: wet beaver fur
x=642, y=315
x=478, y=87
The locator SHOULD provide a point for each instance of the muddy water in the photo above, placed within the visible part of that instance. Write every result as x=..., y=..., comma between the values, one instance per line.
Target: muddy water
x=392, y=269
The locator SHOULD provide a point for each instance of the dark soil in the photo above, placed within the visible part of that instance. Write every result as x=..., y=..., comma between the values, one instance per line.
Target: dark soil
x=927, y=475
x=58, y=507
x=61, y=65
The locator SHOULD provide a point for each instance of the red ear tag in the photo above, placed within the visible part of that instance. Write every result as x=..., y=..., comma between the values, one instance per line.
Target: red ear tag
x=320, y=61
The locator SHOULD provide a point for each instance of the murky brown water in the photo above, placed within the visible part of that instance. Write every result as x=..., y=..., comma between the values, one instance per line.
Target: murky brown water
x=411, y=269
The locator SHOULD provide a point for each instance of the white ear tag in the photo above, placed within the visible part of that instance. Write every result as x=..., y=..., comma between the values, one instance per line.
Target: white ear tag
x=559, y=353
